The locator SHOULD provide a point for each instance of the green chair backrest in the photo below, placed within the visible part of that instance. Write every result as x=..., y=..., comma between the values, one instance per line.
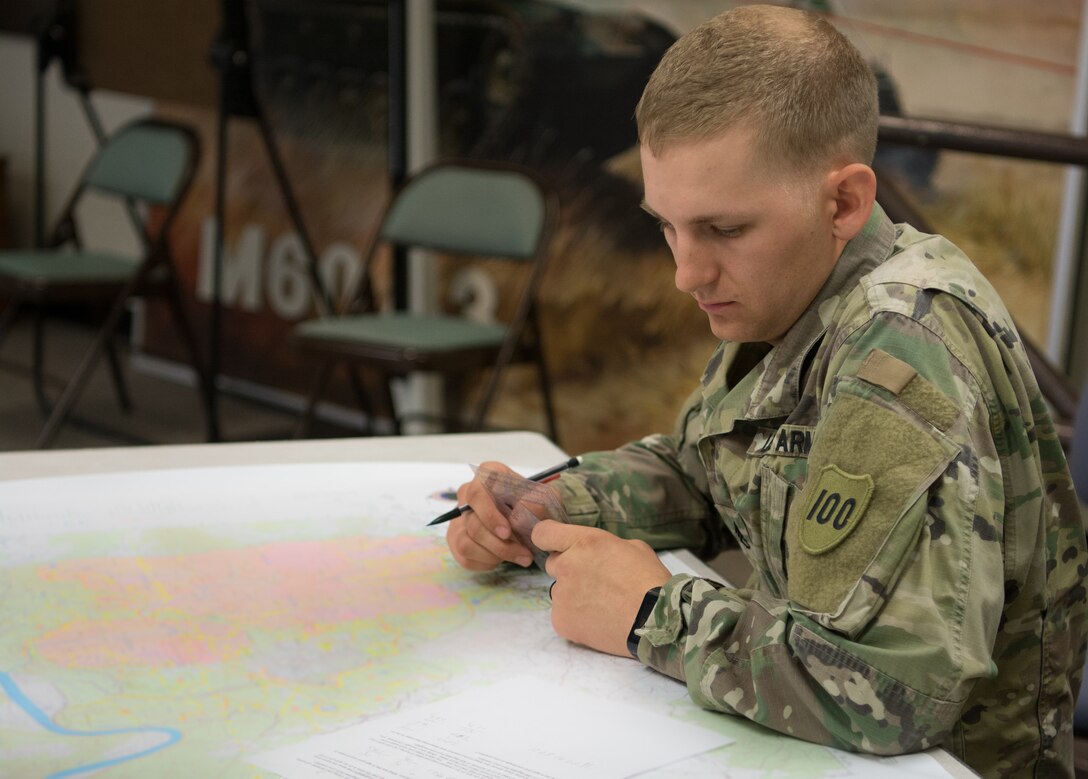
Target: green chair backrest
x=469, y=210
x=144, y=161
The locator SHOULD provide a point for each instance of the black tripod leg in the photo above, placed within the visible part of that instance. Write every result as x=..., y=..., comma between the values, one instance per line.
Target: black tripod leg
x=215, y=321
x=324, y=301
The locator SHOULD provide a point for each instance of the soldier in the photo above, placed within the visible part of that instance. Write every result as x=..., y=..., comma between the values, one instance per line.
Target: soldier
x=869, y=431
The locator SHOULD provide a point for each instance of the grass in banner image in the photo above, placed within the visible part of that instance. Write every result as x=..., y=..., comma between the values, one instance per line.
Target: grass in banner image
x=626, y=348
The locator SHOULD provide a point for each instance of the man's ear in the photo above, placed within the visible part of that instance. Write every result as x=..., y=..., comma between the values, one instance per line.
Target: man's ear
x=853, y=190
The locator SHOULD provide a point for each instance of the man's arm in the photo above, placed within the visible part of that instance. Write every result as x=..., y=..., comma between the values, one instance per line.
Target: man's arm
x=879, y=639
x=896, y=685
x=653, y=490
x=887, y=625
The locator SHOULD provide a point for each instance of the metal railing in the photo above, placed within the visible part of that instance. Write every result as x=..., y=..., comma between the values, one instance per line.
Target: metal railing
x=1059, y=392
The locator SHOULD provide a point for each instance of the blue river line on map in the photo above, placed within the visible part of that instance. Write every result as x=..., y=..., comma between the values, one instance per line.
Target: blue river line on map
x=7, y=684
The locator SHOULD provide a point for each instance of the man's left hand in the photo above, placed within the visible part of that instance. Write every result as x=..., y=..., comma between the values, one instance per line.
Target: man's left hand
x=599, y=583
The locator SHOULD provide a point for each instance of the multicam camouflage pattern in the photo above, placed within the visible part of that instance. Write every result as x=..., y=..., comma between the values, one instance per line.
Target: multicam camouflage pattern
x=954, y=611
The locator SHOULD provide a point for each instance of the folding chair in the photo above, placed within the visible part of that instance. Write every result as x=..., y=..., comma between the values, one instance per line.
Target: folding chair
x=488, y=211
x=149, y=162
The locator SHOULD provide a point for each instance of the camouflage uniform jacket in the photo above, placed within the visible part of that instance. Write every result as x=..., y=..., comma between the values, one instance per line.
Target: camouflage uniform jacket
x=893, y=476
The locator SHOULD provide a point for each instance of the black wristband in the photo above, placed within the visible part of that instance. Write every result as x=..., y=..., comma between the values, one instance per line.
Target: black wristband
x=649, y=600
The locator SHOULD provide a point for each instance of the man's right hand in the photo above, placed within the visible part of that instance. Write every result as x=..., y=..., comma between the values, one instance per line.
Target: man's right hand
x=481, y=539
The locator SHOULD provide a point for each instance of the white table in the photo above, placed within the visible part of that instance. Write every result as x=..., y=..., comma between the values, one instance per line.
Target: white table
x=531, y=449
x=525, y=449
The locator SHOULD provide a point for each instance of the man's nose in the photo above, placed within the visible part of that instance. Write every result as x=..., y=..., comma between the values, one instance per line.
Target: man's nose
x=695, y=269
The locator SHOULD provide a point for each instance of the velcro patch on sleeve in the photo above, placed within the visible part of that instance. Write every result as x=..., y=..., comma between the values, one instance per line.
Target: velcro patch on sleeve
x=871, y=460
x=929, y=403
x=902, y=380
x=834, y=507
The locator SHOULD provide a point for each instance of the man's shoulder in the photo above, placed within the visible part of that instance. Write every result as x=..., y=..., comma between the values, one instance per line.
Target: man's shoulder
x=927, y=289
x=922, y=264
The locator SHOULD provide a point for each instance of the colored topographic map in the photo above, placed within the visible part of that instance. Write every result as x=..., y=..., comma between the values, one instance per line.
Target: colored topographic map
x=152, y=648
x=175, y=624
x=223, y=649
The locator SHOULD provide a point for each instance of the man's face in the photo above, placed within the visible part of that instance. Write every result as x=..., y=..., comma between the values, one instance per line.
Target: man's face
x=752, y=246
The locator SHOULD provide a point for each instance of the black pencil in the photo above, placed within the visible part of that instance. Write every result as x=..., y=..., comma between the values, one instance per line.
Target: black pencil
x=544, y=475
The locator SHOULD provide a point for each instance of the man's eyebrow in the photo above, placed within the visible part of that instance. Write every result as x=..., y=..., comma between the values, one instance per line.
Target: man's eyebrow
x=708, y=219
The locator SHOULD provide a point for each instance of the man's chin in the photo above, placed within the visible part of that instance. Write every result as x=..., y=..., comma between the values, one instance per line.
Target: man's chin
x=744, y=332
x=731, y=331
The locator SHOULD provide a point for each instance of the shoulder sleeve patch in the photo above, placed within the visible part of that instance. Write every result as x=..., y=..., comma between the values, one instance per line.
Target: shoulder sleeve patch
x=883, y=370
x=833, y=508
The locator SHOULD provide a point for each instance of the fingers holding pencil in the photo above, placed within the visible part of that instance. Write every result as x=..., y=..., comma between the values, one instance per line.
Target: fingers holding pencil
x=547, y=475
x=480, y=537
x=479, y=534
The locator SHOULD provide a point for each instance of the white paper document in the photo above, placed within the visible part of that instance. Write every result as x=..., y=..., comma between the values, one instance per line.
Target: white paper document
x=520, y=728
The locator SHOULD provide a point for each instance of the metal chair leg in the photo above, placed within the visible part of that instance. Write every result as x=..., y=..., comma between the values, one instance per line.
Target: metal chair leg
x=321, y=378
x=204, y=378
x=79, y=379
x=119, y=386
x=489, y=393
x=387, y=398
x=361, y=397
x=37, y=367
x=453, y=400
x=7, y=319
x=546, y=394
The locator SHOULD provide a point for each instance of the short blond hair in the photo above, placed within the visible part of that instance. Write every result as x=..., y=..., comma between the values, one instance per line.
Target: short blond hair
x=804, y=88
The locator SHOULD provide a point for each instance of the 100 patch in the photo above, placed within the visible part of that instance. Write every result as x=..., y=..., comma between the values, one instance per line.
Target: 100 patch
x=834, y=507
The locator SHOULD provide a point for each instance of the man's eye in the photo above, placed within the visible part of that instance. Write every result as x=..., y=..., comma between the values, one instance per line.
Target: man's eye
x=727, y=232
x=663, y=226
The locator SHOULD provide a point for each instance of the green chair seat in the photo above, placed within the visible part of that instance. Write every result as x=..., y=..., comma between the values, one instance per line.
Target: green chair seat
x=488, y=212
x=423, y=333
x=52, y=267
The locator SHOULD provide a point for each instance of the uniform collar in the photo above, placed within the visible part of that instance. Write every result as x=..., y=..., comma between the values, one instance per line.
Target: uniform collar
x=772, y=389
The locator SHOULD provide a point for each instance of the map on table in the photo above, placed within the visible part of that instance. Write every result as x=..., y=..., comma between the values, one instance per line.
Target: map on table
x=174, y=623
